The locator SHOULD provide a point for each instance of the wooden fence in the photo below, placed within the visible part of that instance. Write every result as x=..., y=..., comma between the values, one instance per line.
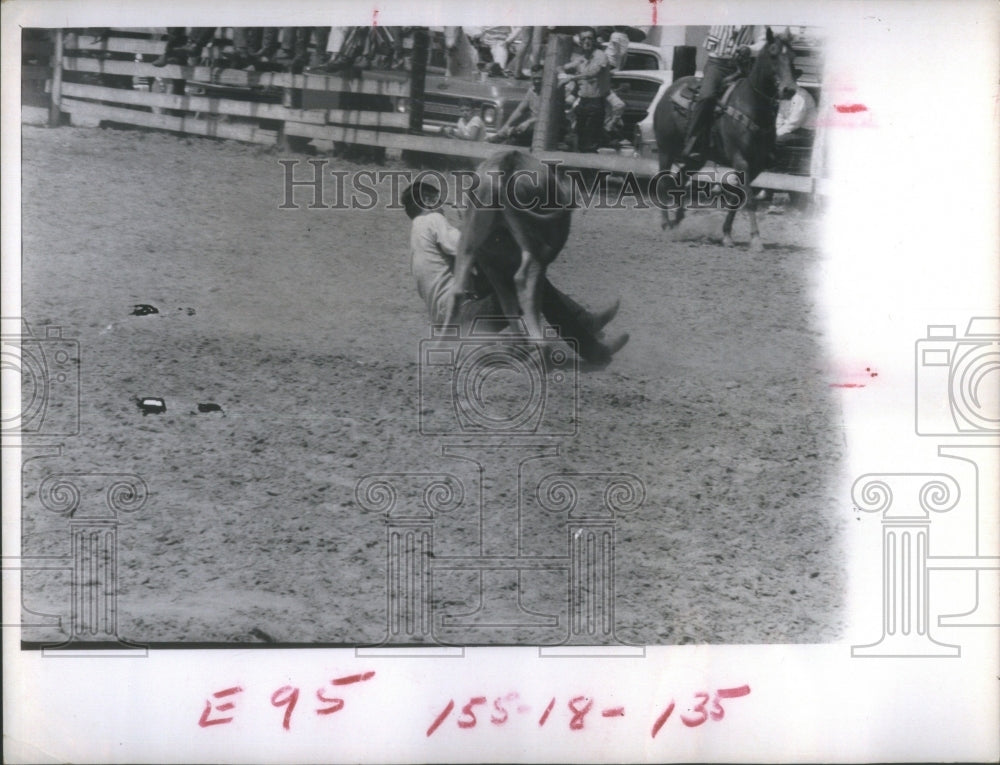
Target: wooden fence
x=93, y=79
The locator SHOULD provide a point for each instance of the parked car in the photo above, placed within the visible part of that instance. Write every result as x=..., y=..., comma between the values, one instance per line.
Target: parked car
x=641, y=57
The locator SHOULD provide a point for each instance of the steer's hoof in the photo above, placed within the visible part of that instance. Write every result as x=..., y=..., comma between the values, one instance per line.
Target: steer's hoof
x=756, y=245
x=727, y=241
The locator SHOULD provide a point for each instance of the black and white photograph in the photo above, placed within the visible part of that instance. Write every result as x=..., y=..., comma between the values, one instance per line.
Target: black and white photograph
x=392, y=341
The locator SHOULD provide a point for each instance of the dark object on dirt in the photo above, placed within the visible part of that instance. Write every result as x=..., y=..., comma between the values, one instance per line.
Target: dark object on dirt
x=209, y=407
x=261, y=635
x=144, y=309
x=151, y=405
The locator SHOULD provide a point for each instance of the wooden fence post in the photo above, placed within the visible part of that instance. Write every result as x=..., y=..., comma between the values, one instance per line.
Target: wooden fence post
x=418, y=76
x=56, y=93
x=550, y=116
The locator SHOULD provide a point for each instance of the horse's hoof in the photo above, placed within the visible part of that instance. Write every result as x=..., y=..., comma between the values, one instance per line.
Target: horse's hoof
x=727, y=241
x=756, y=245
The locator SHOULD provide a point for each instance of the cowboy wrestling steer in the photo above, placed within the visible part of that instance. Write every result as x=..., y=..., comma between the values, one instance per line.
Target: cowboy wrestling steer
x=511, y=234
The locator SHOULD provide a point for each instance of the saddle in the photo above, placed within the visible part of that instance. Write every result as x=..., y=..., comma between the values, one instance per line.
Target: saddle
x=684, y=97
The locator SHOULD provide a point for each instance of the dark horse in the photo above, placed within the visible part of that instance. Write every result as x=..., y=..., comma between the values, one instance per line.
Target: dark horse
x=734, y=144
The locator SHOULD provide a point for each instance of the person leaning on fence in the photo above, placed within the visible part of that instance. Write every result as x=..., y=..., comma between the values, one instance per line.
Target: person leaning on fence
x=728, y=48
x=470, y=126
x=592, y=73
x=794, y=124
x=520, y=126
x=433, y=243
x=796, y=115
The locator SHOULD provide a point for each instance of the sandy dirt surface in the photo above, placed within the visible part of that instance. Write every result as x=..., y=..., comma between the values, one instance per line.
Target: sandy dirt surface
x=304, y=326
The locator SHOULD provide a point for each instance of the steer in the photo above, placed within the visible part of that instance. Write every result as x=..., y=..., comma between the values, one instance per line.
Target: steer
x=514, y=228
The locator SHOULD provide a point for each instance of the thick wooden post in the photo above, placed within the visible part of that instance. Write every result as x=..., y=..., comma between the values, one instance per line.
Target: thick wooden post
x=56, y=94
x=551, y=115
x=418, y=75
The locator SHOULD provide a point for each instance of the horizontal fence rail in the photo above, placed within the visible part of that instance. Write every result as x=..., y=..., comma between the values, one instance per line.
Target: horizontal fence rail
x=110, y=78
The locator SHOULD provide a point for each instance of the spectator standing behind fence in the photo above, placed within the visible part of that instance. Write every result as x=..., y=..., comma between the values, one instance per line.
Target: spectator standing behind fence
x=615, y=46
x=497, y=39
x=470, y=126
x=520, y=126
x=592, y=74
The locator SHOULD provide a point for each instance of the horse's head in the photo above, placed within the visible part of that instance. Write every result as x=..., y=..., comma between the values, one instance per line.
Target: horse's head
x=772, y=71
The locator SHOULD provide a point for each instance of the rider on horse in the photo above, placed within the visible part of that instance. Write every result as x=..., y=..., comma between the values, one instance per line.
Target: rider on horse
x=729, y=50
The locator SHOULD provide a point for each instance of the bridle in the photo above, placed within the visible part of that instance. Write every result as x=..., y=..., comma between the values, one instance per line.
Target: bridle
x=772, y=100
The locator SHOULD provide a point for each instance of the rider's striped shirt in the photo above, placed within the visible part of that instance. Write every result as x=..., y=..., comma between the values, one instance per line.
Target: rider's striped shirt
x=723, y=40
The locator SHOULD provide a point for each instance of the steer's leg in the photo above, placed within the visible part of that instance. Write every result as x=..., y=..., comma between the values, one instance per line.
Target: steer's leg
x=528, y=282
x=501, y=283
x=476, y=225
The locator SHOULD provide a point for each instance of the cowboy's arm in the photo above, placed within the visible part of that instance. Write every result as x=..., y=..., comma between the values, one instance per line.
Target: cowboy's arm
x=516, y=115
x=571, y=65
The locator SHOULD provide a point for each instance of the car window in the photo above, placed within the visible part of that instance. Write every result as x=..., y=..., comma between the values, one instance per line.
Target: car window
x=636, y=93
x=641, y=60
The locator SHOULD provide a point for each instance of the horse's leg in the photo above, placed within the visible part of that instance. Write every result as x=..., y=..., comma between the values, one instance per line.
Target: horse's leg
x=665, y=220
x=727, y=228
x=741, y=166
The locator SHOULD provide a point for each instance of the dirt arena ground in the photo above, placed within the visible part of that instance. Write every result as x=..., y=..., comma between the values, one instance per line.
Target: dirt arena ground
x=304, y=326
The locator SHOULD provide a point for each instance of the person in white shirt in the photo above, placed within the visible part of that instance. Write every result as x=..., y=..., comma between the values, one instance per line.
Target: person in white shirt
x=470, y=126
x=433, y=244
x=795, y=114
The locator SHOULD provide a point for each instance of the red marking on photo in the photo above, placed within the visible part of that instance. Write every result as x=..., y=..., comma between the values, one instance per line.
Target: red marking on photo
x=375, y=17
x=733, y=693
x=850, y=108
x=846, y=385
x=353, y=678
x=545, y=714
x=205, y=721
x=287, y=697
x=614, y=712
x=441, y=717
x=662, y=719
x=336, y=704
x=654, y=3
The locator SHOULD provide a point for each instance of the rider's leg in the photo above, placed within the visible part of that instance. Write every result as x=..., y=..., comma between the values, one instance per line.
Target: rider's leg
x=715, y=71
